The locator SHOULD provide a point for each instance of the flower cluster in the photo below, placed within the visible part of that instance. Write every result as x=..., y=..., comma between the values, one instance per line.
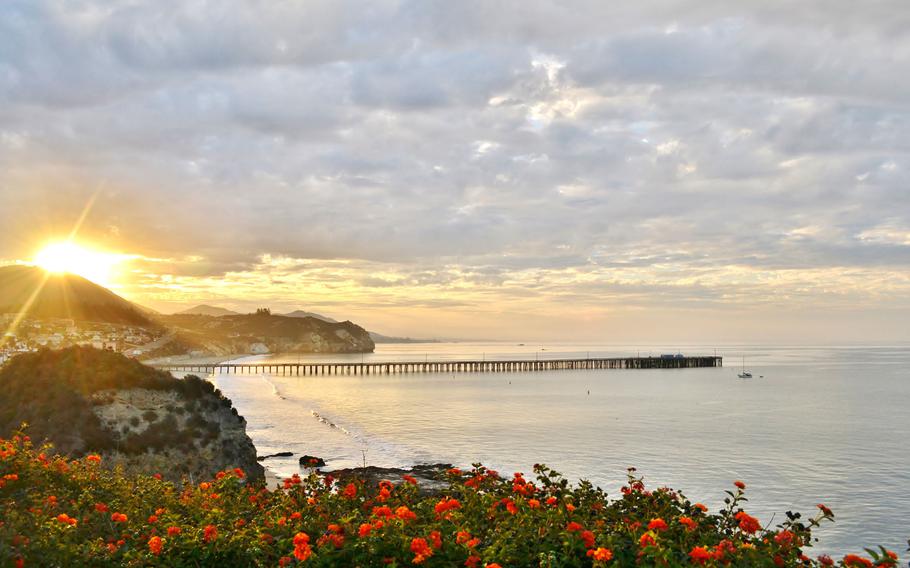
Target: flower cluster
x=64, y=512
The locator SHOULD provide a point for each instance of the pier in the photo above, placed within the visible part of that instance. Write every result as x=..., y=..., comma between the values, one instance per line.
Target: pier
x=401, y=367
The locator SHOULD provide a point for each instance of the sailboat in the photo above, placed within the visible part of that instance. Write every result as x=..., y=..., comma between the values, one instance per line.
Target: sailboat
x=745, y=374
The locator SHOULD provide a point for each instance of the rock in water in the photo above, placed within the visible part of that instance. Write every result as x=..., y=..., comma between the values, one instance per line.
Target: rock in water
x=278, y=455
x=311, y=461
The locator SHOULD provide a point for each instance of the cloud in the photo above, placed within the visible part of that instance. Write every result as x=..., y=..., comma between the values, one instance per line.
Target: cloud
x=520, y=155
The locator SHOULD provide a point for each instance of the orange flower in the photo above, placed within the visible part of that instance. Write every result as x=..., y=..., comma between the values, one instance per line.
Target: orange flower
x=570, y=507
x=492, y=565
x=472, y=561
x=405, y=514
x=573, y=527
x=701, y=507
x=66, y=520
x=551, y=501
x=601, y=554
x=302, y=549
x=588, y=538
x=350, y=491
x=747, y=523
x=209, y=533
x=118, y=518
x=534, y=503
x=94, y=458
x=155, y=545
x=173, y=531
x=421, y=550
x=657, y=525
x=410, y=479
x=364, y=530
x=153, y=519
x=700, y=554
x=688, y=522
x=646, y=540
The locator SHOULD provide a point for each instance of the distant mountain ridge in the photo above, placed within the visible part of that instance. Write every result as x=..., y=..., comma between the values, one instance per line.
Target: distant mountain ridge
x=304, y=314
x=207, y=310
x=64, y=296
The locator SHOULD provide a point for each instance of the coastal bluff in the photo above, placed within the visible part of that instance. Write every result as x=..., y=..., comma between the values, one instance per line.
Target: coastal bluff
x=83, y=401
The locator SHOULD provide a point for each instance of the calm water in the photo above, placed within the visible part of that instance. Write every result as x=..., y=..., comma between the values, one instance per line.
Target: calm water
x=825, y=424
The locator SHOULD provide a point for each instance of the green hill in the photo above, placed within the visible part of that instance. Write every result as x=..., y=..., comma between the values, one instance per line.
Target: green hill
x=64, y=296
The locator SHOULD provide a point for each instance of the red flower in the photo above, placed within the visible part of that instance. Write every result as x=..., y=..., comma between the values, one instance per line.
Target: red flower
x=688, y=522
x=646, y=540
x=551, y=501
x=657, y=525
x=573, y=527
x=447, y=504
x=747, y=523
x=436, y=539
x=209, y=533
x=410, y=479
x=601, y=554
x=700, y=554
x=854, y=560
x=364, y=530
x=101, y=507
x=302, y=549
x=784, y=538
x=825, y=510
x=382, y=511
x=173, y=531
x=740, y=485
x=155, y=545
x=701, y=507
x=405, y=514
x=825, y=560
x=588, y=538
x=421, y=550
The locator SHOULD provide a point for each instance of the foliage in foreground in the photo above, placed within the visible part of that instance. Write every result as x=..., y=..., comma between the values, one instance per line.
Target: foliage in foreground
x=55, y=511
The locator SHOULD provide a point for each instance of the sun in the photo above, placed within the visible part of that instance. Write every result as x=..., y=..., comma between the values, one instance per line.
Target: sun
x=70, y=258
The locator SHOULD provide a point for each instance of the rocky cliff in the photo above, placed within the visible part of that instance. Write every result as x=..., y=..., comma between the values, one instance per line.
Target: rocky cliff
x=83, y=400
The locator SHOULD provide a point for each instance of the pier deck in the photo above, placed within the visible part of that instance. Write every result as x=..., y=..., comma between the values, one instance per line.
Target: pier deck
x=398, y=367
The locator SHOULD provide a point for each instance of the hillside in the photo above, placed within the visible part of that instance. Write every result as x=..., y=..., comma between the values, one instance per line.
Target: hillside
x=64, y=296
x=85, y=400
x=206, y=310
x=277, y=334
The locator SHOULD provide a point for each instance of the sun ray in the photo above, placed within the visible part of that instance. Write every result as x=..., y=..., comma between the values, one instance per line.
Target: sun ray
x=14, y=325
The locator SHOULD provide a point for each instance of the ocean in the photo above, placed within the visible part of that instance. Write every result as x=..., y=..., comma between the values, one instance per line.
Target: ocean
x=815, y=425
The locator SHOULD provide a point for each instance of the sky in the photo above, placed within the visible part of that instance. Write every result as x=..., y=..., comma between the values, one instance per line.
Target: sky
x=701, y=172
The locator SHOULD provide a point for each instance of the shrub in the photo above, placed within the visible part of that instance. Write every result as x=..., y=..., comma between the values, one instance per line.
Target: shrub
x=62, y=512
